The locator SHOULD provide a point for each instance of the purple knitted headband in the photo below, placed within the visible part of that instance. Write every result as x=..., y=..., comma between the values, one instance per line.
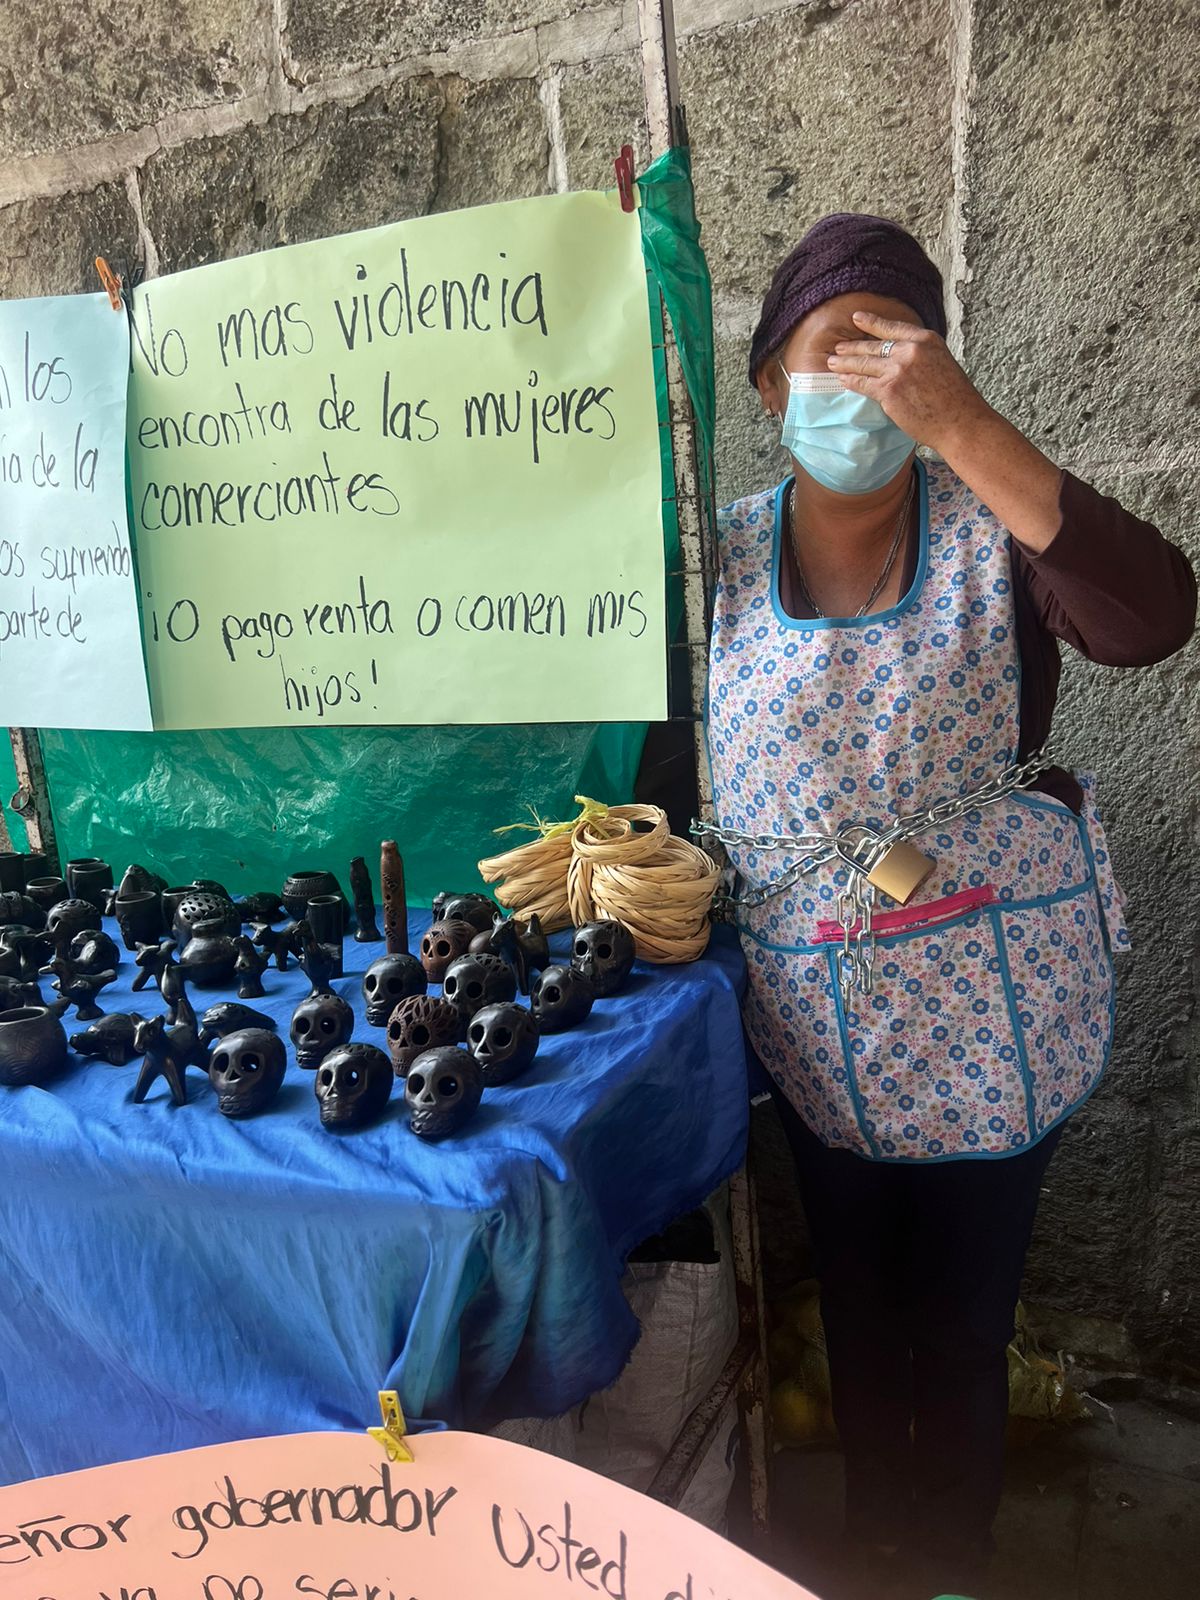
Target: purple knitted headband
x=843, y=254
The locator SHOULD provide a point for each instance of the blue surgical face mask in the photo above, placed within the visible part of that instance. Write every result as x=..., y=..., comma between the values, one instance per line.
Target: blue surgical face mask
x=844, y=440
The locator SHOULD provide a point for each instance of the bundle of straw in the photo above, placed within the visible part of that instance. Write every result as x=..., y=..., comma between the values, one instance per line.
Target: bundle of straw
x=619, y=862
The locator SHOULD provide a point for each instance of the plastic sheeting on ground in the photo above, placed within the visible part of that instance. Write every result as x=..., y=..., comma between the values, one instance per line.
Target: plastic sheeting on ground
x=174, y=1279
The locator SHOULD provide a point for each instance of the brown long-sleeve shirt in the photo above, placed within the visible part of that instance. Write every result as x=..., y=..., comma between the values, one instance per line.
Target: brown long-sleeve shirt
x=1108, y=584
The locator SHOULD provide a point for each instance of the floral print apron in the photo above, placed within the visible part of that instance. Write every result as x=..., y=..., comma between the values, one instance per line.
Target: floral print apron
x=991, y=1011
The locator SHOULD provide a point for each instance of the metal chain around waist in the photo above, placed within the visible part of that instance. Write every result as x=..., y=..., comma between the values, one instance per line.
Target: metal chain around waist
x=859, y=846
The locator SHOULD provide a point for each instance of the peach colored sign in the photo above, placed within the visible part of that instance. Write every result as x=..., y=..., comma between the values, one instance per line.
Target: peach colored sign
x=325, y=1516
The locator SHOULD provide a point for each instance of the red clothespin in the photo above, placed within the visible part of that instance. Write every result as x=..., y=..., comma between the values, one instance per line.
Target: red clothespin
x=111, y=283
x=623, y=166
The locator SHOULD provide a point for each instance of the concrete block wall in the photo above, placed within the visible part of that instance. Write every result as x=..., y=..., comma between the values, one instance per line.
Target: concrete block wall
x=1045, y=153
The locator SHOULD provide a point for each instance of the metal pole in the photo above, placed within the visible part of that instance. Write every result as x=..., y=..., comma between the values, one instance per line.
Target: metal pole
x=747, y=1370
x=693, y=496
x=32, y=799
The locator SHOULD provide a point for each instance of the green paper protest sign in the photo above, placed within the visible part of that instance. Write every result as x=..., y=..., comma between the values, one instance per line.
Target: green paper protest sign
x=409, y=475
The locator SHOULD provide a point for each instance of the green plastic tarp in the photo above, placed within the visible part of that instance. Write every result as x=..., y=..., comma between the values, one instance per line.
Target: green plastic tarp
x=249, y=805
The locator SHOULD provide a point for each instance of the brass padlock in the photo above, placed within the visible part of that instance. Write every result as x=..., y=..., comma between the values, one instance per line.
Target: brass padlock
x=900, y=871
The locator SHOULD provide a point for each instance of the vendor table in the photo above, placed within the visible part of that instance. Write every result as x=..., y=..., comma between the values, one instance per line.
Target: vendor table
x=169, y=1278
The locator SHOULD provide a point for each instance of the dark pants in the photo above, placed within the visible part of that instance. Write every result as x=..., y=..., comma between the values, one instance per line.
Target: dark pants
x=920, y=1268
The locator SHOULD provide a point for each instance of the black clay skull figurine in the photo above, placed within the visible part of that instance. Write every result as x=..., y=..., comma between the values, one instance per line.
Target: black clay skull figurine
x=504, y=1040
x=442, y=1092
x=352, y=1086
x=246, y=1069
x=475, y=981
x=444, y=943
x=561, y=998
x=420, y=1022
x=320, y=1024
x=603, y=952
x=476, y=909
x=389, y=980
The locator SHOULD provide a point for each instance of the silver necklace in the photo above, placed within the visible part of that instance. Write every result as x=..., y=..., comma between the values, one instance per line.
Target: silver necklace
x=901, y=524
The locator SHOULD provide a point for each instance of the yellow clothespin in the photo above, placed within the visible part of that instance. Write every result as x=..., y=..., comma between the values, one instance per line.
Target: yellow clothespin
x=112, y=283
x=391, y=1435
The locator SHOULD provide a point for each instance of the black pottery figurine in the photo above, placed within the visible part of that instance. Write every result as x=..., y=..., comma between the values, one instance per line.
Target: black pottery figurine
x=110, y=1038
x=388, y=980
x=17, y=992
x=364, y=902
x=16, y=906
x=319, y=962
x=79, y=986
x=150, y=962
x=68, y=917
x=261, y=907
x=523, y=945
x=139, y=916
x=444, y=943
x=210, y=955
x=169, y=1049
x=395, y=898
x=472, y=982
x=320, y=1023
x=476, y=909
x=561, y=998
x=503, y=1039
x=442, y=1092
x=420, y=1022
x=249, y=968
x=352, y=1086
x=33, y=1045
x=246, y=1070
x=228, y=1016
x=603, y=952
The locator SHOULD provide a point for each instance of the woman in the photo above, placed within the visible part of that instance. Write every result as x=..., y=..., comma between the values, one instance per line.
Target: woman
x=886, y=641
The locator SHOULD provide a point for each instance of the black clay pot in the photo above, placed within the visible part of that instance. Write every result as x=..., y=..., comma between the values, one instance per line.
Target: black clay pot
x=89, y=878
x=200, y=905
x=170, y=901
x=33, y=1045
x=46, y=891
x=36, y=866
x=301, y=887
x=326, y=916
x=210, y=955
x=140, y=918
x=13, y=872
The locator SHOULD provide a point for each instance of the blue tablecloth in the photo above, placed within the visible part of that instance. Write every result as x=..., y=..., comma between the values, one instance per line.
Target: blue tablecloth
x=169, y=1278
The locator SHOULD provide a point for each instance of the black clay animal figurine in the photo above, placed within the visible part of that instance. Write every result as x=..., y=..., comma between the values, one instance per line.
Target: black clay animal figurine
x=278, y=943
x=23, y=951
x=352, y=1086
x=246, y=1070
x=16, y=906
x=442, y=1092
x=320, y=962
x=419, y=1023
x=93, y=951
x=603, y=952
x=110, y=1038
x=228, y=1016
x=33, y=1045
x=79, y=987
x=476, y=909
x=137, y=879
x=523, y=945
x=16, y=992
x=364, y=903
x=168, y=1052
x=261, y=907
x=249, y=968
x=444, y=943
x=389, y=980
x=151, y=960
x=504, y=1040
x=561, y=998
x=320, y=1023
